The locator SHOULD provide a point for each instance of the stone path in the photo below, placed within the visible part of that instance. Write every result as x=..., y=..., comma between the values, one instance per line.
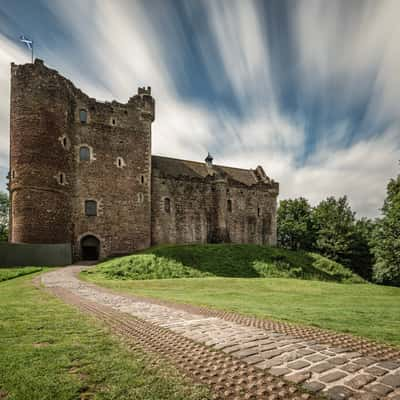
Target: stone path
x=336, y=372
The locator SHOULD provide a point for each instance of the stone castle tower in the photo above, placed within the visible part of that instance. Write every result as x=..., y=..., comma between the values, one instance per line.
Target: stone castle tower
x=81, y=172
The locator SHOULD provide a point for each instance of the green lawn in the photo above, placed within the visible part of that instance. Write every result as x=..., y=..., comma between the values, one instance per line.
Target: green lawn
x=227, y=260
x=10, y=273
x=366, y=310
x=48, y=350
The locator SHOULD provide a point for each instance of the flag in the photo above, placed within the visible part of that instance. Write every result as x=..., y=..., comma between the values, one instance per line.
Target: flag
x=27, y=41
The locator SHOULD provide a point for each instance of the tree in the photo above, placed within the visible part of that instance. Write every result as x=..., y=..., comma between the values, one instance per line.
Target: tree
x=4, y=213
x=362, y=258
x=386, y=244
x=333, y=221
x=294, y=224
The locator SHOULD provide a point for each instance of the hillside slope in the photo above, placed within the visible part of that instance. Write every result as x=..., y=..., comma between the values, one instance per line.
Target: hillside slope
x=224, y=260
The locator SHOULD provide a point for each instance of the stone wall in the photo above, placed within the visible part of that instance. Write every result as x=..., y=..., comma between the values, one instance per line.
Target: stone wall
x=117, y=176
x=199, y=212
x=41, y=206
x=49, y=184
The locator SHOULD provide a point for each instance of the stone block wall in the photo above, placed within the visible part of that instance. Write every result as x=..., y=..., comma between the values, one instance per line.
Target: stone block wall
x=198, y=211
x=49, y=183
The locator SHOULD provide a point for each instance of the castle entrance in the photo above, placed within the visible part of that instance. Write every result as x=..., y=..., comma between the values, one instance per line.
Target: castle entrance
x=90, y=248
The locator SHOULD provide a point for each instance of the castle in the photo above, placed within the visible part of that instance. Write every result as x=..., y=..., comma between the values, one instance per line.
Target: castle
x=82, y=172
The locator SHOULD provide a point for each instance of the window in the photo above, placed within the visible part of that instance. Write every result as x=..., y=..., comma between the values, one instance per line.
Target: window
x=64, y=142
x=229, y=205
x=140, y=197
x=83, y=116
x=84, y=153
x=113, y=121
x=120, y=163
x=258, y=211
x=167, y=205
x=90, y=208
x=61, y=178
x=142, y=179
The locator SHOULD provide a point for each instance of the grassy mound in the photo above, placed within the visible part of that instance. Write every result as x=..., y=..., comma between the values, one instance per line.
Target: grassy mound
x=225, y=260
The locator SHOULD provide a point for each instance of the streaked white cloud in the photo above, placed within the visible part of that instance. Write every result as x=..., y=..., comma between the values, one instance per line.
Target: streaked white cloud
x=9, y=52
x=346, y=53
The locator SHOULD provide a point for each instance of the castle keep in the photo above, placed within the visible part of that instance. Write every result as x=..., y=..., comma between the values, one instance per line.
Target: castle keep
x=82, y=172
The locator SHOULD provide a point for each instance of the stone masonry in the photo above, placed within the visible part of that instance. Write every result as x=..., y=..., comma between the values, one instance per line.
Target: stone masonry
x=70, y=153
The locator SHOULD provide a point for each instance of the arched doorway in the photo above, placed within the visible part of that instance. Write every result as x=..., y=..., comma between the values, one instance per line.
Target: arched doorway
x=90, y=247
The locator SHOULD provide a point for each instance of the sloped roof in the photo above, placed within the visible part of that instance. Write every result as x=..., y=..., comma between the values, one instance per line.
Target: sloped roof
x=193, y=169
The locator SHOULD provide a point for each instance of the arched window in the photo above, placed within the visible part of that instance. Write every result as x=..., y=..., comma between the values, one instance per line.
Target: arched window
x=167, y=205
x=90, y=208
x=84, y=153
x=229, y=205
x=83, y=116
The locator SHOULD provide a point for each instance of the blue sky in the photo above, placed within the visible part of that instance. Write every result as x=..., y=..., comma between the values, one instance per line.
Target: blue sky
x=308, y=89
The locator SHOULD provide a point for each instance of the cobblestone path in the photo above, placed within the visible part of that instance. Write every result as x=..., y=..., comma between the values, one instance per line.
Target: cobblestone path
x=244, y=358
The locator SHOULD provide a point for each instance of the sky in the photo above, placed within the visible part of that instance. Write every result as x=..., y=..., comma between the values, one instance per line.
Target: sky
x=309, y=89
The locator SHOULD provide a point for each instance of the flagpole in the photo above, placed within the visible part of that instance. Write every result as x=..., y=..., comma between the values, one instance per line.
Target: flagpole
x=32, y=51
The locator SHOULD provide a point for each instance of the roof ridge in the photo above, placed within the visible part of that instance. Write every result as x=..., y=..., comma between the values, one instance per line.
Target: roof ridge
x=202, y=163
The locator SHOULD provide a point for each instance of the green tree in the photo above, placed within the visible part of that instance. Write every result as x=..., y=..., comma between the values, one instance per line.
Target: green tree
x=362, y=258
x=4, y=212
x=294, y=224
x=386, y=246
x=333, y=222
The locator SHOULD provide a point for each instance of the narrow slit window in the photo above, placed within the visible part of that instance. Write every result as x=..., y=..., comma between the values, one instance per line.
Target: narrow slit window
x=90, y=208
x=258, y=211
x=142, y=179
x=229, y=206
x=167, y=205
x=83, y=116
x=84, y=153
x=113, y=121
x=119, y=162
x=61, y=178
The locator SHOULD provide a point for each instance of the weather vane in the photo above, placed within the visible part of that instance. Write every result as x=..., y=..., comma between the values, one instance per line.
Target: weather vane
x=28, y=42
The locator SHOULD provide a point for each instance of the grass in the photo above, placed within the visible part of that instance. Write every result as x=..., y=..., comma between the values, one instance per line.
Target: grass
x=15, y=272
x=253, y=280
x=226, y=260
x=50, y=351
x=370, y=311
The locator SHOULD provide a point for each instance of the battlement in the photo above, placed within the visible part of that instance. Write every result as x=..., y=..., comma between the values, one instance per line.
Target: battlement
x=144, y=90
x=40, y=70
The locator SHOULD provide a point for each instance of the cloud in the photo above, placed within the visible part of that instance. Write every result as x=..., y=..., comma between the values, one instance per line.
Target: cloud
x=340, y=137
x=9, y=52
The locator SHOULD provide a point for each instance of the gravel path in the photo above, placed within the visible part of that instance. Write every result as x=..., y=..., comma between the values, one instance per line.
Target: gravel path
x=241, y=357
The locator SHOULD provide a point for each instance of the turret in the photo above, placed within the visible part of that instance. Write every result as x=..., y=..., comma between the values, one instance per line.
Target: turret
x=144, y=102
x=41, y=167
